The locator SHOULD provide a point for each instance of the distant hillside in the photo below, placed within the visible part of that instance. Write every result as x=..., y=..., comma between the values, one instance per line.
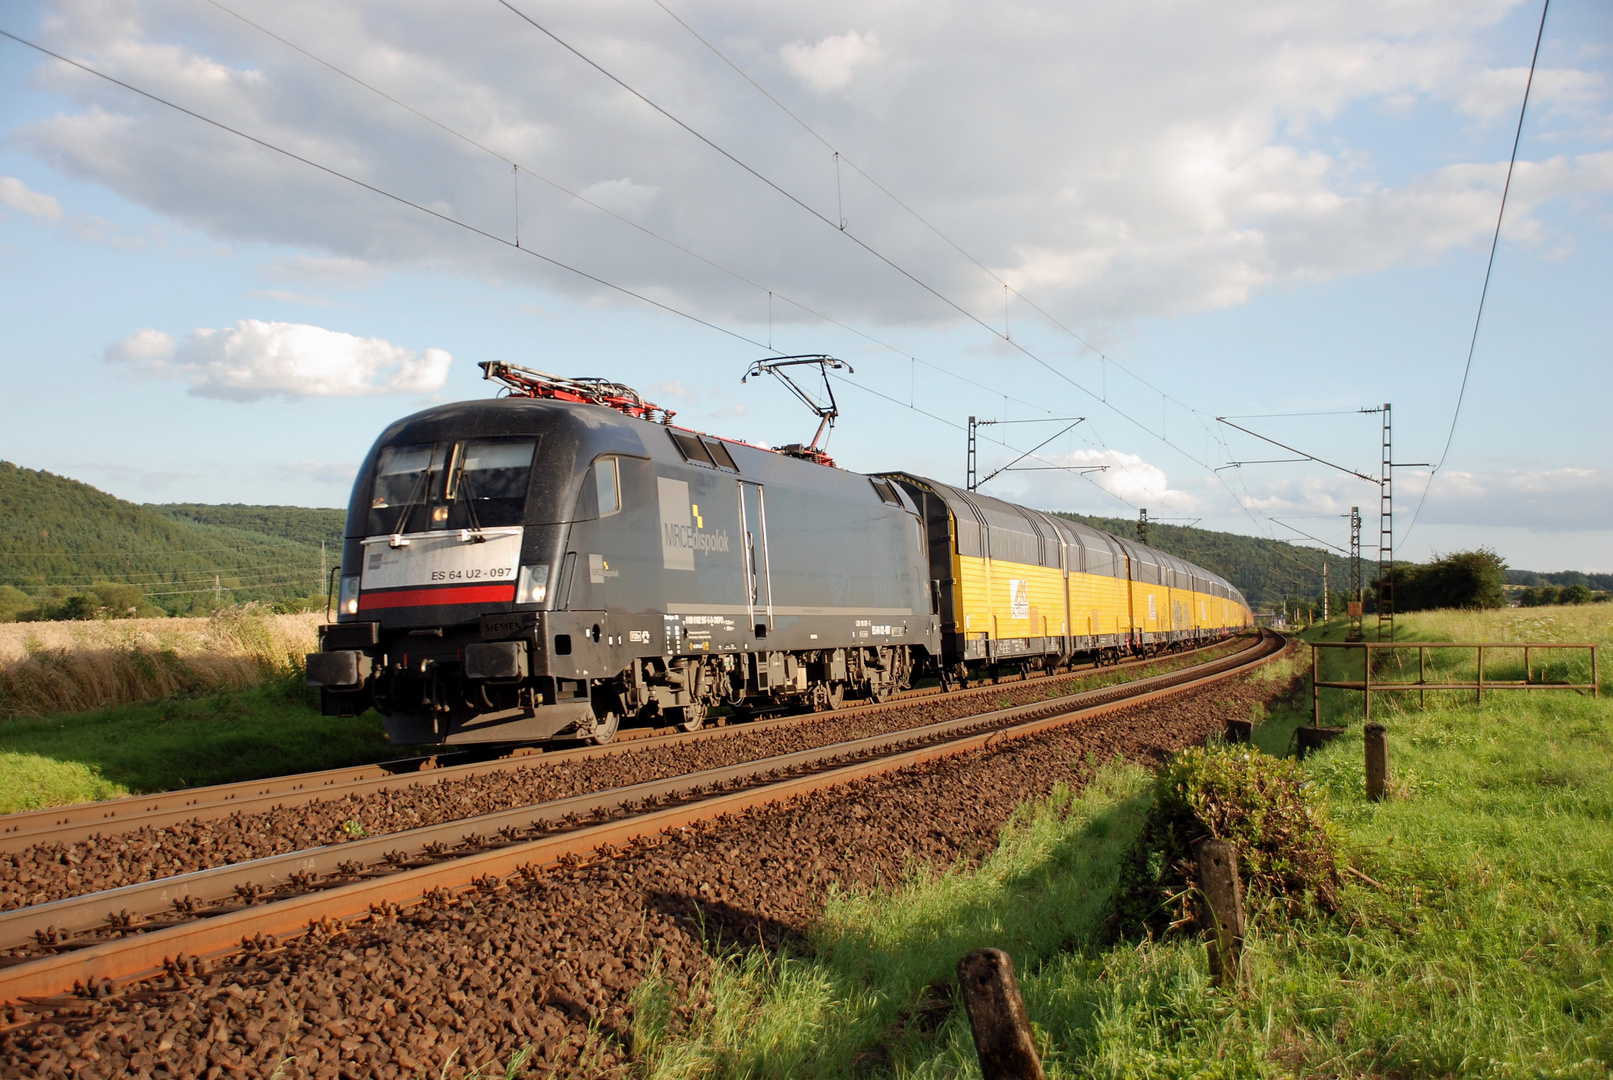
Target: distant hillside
x=302, y=524
x=1263, y=570
x=60, y=537
x=1535, y=579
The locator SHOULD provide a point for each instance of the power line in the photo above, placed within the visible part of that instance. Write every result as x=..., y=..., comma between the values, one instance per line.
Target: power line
x=865, y=246
x=1495, y=242
x=386, y=194
x=379, y=191
x=735, y=274
x=1008, y=288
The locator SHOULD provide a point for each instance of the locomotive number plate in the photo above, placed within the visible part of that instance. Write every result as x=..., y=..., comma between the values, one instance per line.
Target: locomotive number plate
x=485, y=557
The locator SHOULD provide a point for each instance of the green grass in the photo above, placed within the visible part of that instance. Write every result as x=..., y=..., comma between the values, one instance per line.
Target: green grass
x=1483, y=947
x=267, y=730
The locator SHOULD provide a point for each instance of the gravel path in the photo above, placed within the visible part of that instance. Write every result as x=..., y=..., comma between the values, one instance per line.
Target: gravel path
x=451, y=985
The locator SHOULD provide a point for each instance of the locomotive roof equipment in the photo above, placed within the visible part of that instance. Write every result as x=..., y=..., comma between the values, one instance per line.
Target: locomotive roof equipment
x=826, y=413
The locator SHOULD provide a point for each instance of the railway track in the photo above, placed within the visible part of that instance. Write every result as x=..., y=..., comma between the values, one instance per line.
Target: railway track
x=102, y=939
x=85, y=821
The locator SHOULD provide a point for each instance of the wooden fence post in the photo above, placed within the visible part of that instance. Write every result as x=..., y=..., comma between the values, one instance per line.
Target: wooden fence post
x=1223, y=892
x=997, y=1016
x=1377, y=743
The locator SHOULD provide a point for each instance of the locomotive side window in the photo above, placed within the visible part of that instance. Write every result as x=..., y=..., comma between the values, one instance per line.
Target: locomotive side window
x=703, y=451
x=692, y=448
x=720, y=455
x=886, y=492
x=608, y=485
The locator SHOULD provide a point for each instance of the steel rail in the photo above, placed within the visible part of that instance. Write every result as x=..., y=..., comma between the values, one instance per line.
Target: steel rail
x=296, y=870
x=83, y=821
x=143, y=955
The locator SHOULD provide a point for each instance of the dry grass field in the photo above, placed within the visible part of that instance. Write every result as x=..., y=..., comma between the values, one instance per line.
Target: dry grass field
x=48, y=668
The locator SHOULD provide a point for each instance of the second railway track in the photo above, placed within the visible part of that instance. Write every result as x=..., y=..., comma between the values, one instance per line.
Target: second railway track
x=130, y=932
x=73, y=824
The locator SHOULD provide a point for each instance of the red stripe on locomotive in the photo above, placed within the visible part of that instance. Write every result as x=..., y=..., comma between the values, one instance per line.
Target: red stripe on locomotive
x=436, y=595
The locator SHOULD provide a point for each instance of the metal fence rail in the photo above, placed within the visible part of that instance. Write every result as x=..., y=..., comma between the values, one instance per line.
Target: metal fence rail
x=1369, y=686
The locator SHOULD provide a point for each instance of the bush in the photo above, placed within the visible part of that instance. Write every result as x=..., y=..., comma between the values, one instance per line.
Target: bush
x=1466, y=579
x=1287, y=847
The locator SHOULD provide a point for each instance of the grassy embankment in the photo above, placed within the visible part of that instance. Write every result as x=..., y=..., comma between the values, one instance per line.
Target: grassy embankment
x=1482, y=947
x=94, y=710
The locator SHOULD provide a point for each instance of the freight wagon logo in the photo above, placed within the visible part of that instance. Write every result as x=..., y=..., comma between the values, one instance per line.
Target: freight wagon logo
x=682, y=531
x=1019, y=599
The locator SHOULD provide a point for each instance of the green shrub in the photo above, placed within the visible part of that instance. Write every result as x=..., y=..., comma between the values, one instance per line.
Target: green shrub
x=1288, y=850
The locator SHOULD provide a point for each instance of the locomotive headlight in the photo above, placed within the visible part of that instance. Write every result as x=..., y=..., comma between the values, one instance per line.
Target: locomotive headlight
x=532, y=586
x=347, y=601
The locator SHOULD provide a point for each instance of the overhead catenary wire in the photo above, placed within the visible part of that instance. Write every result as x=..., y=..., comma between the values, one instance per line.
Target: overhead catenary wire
x=1489, y=267
x=337, y=173
x=1102, y=398
x=520, y=168
x=447, y=218
x=840, y=227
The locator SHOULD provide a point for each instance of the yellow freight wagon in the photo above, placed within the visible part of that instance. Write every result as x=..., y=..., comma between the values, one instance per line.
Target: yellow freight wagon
x=1015, y=585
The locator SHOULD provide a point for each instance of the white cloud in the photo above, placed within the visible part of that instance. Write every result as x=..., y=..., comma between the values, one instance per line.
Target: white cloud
x=255, y=360
x=1545, y=500
x=1126, y=476
x=291, y=297
x=19, y=196
x=335, y=473
x=150, y=349
x=831, y=64
x=304, y=267
x=1028, y=130
x=622, y=196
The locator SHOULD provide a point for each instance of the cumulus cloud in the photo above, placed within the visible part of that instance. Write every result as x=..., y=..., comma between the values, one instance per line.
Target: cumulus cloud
x=148, y=349
x=1030, y=131
x=1127, y=476
x=830, y=64
x=255, y=360
x=19, y=196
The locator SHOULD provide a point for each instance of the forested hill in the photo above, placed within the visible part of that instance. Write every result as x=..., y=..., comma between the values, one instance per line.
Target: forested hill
x=303, y=524
x=60, y=537
x=1263, y=570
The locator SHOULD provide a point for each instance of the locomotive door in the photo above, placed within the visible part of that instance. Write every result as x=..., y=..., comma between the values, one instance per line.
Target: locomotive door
x=758, y=585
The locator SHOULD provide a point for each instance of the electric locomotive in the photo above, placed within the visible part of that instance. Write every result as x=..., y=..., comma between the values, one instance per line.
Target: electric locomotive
x=547, y=564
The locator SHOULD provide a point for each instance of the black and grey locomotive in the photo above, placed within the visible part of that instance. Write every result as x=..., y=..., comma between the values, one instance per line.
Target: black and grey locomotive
x=550, y=564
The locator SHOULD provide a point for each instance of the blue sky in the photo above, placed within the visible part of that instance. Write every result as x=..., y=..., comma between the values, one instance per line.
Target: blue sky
x=1264, y=208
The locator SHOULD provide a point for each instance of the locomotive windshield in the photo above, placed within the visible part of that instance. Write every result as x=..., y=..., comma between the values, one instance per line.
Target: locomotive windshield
x=463, y=485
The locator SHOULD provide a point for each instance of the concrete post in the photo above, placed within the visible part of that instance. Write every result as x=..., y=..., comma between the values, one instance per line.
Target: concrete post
x=997, y=1016
x=1377, y=741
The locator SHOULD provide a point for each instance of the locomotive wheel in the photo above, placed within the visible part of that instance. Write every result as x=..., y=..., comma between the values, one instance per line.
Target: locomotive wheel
x=605, y=727
x=694, y=718
x=828, y=696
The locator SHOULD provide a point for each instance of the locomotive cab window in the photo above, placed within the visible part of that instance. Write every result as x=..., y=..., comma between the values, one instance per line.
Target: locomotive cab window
x=465, y=485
